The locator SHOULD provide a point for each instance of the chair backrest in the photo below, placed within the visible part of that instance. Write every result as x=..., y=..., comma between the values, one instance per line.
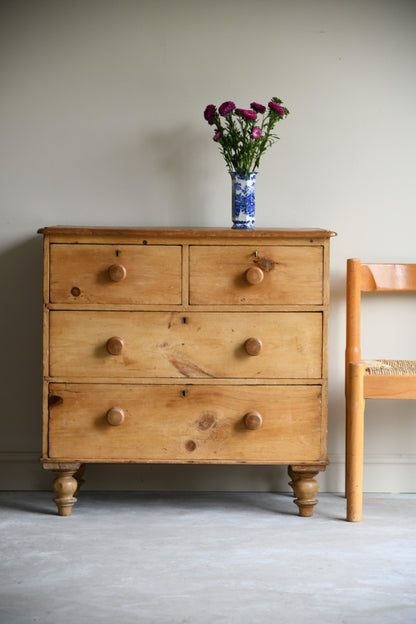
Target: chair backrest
x=371, y=278
x=387, y=277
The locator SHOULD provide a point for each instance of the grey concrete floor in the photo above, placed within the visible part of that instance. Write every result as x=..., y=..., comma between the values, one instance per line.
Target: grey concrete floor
x=205, y=558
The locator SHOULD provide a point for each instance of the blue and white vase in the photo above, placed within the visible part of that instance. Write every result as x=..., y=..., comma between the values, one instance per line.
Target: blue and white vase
x=243, y=200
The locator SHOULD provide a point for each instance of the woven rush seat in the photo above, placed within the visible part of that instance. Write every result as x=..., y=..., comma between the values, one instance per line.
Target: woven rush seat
x=390, y=367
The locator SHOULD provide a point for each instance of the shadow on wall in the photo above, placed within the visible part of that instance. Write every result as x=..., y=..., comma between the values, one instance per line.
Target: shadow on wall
x=333, y=479
x=21, y=361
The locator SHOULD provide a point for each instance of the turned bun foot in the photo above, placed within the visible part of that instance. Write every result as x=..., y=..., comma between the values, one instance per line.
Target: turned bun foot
x=305, y=488
x=65, y=485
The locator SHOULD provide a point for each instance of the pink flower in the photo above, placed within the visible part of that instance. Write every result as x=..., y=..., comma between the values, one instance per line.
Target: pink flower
x=256, y=133
x=276, y=107
x=216, y=136
x=259, y=108
x=225, y=108
x=247, y=113
x=209, y=113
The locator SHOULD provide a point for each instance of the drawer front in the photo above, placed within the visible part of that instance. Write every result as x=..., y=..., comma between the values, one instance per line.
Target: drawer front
x=281, y=276
x=185, y=423
x=194, y=344
x=123, y=274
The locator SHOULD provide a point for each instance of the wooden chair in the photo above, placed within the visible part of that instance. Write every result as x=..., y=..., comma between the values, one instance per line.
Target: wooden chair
x=370, y=379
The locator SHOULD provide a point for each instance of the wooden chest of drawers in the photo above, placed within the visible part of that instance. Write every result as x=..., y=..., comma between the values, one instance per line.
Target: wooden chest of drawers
x=185, y=345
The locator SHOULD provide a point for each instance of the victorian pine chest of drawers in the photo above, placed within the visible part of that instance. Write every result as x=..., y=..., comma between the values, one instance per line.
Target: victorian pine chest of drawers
x=185, y=345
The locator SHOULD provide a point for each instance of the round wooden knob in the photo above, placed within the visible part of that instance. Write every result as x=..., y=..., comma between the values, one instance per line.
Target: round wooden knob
x=254, y=275
x=253, y=420
x=115, y=345
x=253, y=346
x=117, y=272
x=115, y=416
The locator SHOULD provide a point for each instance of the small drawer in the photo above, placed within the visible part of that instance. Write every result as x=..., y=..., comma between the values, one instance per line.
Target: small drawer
x=194, y=344
x=164, y=423
x=115, y=274
x=266, y=275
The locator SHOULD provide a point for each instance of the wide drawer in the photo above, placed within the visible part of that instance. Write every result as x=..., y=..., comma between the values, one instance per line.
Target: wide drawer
x=185, y=423
x=266, y=275
x=124, y=274
x=194, y=344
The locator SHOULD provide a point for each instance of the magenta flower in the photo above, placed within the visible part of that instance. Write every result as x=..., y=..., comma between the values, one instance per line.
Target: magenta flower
x=247, y=113
x=209, y=113
x=276, y=107
x=244, y=134
x=225, y=108
x=259, y=108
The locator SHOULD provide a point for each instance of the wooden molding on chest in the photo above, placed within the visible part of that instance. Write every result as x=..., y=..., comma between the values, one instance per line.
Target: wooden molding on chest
x=185, y=345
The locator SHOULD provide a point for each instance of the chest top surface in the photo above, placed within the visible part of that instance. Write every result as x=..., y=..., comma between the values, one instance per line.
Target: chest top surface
x=191, y=232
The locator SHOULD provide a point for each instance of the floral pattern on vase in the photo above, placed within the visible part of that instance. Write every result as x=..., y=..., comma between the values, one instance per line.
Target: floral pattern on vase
x=243, y=199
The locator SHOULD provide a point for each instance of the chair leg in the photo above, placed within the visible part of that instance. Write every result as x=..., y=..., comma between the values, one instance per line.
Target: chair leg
x=355, y=440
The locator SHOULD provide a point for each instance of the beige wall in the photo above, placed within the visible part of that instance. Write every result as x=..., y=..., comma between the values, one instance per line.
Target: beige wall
x=101, y=123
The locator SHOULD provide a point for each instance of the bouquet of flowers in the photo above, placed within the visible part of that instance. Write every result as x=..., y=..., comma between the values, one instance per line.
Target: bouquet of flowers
x=244, y=134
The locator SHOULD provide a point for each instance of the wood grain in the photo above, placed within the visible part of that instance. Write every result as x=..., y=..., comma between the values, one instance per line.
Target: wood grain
x=390, y=386
x=186, y=232
x=292, y=275
x=388, y=277
x=153, y=274
x=183, y=302
x=355, y=441
x=198, y=344
x=360, y=383
x=161, y=421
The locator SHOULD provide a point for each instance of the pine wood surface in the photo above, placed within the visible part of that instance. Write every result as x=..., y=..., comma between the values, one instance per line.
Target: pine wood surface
x=199, y=344
x=206, y=381
x=292, y=275
x=190, y=232
x=189, y=345
x=186, y=423
x=80, y=274
x=184, y=307
x=45, y=347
